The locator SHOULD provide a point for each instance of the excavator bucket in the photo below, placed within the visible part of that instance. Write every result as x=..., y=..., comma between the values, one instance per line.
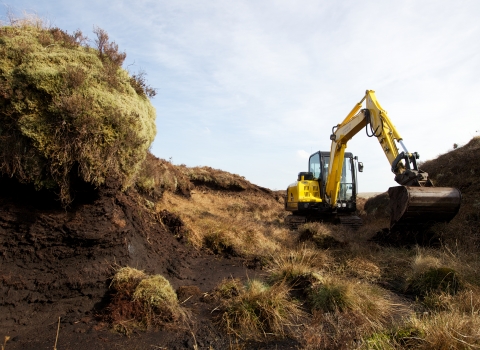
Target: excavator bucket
x=420, y=207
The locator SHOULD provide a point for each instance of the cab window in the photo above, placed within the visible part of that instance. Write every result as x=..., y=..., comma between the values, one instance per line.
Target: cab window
x=314, y=165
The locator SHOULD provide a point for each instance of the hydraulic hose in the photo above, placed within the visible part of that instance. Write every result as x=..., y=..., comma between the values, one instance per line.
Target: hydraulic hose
x=369, y=123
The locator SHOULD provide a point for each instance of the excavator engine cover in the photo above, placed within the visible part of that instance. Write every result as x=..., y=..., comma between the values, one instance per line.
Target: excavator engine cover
x=422, y=206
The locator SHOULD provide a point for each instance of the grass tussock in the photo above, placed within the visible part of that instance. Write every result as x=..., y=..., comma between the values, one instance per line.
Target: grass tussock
x=159, y=300
x=126, y=279
x=299, y=267
x=335, y=330
x=442, y=331
x=344, y=310
x=442, y=279
x=432, y=275
x=449, y=330
x=141, y=301
x=256, y=310
x=325, y=236
x=335, y=294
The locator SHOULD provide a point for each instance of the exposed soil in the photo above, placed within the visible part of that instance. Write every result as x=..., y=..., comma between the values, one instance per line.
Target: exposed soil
x=58, y=263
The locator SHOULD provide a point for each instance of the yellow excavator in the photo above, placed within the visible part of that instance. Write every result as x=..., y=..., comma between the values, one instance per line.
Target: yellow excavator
x=328, y=190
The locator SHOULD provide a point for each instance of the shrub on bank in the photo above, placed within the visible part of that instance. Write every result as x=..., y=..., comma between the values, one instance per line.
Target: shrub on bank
x=69, y=111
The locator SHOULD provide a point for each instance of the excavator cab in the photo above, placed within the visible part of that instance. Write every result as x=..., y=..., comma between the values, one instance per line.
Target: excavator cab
x=306, y=198
x=318, y=165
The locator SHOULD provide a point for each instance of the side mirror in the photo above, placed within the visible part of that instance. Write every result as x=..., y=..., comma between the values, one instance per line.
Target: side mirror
x=360, y=167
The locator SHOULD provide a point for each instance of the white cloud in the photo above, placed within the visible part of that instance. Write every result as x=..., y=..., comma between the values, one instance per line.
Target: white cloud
x=302, y=154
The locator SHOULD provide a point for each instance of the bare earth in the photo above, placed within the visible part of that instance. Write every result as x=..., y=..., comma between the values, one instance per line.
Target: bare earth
x=57, y=263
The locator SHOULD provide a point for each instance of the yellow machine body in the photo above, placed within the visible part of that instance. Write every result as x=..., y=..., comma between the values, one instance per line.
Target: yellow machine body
x=303, y=191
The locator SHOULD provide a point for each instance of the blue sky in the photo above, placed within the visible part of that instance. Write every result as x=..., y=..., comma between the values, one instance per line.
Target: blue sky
x=254, y=87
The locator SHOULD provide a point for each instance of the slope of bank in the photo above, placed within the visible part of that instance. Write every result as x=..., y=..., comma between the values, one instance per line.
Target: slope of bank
x=58, y=262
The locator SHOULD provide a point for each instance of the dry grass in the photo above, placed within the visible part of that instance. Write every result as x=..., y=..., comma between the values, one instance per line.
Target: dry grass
x=255, y=310
x=449, y=330
x=247, y=225
x=298, y=266
x=140, y=301
x=363, y=268
x=5, y=340
x=436, y=331
x=465, y=301
x=325, y=236
x=422, y=263
x=347, y=282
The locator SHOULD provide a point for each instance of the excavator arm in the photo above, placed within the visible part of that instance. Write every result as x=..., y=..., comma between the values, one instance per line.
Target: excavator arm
x=373, y=117
x=433, y=202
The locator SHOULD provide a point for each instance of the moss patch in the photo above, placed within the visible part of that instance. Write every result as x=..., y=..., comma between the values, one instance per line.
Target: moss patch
x=68, y=110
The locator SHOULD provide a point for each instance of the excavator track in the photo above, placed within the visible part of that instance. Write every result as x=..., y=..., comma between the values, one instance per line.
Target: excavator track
x=351, y=221
x=293, y=222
